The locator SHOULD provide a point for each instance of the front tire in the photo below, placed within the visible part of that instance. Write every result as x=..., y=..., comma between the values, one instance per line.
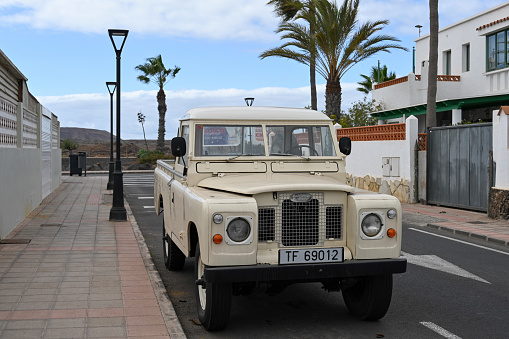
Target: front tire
x=213, y=300
x=370, y=297
x=174, y=259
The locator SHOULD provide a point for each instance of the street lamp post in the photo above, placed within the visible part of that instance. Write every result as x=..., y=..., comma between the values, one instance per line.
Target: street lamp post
x=111, y=89
x=118, y=211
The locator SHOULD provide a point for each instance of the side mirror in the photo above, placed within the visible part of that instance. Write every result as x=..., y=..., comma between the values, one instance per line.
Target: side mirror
x=345, y=145
x=178, y=147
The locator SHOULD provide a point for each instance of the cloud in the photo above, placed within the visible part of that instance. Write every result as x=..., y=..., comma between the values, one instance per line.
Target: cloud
x=215, y=19
x=93, y=110
x=225, y=19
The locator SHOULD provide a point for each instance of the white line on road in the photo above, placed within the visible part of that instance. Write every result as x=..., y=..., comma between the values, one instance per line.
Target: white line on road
x=439, y=264
x=149, y=207
x=439, y=330
x=460, y=241
x=145, y=197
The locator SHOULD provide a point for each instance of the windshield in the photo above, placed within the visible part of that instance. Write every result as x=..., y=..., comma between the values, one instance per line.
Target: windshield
x=222, y=140
x=300, y=140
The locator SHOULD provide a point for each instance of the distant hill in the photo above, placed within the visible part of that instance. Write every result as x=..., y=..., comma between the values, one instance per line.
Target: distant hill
x=84, y=134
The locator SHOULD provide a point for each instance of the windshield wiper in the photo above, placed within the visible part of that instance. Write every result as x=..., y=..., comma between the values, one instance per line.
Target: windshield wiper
x=291, y=155
x=240, y=155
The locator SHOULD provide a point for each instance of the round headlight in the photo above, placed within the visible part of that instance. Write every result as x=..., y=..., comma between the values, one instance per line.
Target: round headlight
x=238, y=229
x=391, y=214
x=371, y=225
x=218, y=218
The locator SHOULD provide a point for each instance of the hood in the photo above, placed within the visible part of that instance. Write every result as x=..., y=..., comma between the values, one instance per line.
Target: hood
x=263, y=182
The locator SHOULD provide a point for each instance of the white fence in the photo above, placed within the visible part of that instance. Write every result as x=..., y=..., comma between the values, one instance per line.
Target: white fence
x=30, y=159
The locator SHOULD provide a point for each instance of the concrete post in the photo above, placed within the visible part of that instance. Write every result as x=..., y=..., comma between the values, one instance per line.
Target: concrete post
x=501, y=147
x=411, y=134
x=456, y=116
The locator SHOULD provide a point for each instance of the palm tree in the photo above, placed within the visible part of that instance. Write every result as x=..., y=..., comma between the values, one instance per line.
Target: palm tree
x=431, y=108
x=377, y=75
x=154, y=71
x=340, y=44
x=288, y=10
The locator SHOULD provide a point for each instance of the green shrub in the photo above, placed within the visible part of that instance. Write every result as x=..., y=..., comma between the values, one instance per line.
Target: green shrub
x=150, y=157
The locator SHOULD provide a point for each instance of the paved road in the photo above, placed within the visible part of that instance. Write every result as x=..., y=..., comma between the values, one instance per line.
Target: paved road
x=453, y=288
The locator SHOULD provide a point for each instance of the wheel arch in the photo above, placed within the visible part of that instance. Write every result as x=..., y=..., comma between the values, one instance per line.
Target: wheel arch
x=193, y=238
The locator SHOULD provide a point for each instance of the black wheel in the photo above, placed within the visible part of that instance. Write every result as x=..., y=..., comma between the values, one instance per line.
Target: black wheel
x=213, y=300
x=370, y=297
x=174, y=259
x=315, y=152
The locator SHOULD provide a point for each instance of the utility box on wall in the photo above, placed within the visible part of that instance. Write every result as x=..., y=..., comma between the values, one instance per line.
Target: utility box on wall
x=390, y=167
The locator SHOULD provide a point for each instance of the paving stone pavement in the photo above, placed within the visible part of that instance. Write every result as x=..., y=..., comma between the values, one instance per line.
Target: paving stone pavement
x=467, y=223
x=68, y=272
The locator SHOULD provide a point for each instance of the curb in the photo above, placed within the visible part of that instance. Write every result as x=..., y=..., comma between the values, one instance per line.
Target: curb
x=168, y=312
x=469, y=234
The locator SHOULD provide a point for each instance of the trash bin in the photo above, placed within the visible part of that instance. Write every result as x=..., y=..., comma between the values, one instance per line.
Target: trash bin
x=82, y=161
x=73, y=165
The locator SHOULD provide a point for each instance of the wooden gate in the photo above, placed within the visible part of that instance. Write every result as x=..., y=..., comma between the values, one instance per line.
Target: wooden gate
x=457, y=166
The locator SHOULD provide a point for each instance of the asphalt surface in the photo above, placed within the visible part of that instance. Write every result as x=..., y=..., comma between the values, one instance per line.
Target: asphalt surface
x=454, y=287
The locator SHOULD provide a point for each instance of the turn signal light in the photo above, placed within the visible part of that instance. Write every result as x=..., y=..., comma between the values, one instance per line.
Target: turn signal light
x=218, y=238
x=391, y=232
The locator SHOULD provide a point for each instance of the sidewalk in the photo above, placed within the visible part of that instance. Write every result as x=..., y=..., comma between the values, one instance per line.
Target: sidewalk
x=68, y=272
x=467, y=223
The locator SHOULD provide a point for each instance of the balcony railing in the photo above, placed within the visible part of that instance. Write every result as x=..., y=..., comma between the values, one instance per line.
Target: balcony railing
x=374, y=133
x=417, y=78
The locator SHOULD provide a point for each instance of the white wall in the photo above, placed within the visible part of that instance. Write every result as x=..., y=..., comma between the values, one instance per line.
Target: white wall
x=366, y=157
x=474, y=83
x=20, y=186
x=501, y=148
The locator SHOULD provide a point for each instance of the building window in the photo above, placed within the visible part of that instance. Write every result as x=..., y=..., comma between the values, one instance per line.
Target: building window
x=447, y=62
x=466, y=58
x=497, y=50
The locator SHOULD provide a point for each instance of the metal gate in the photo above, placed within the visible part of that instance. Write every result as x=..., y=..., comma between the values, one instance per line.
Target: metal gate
x=457, y=166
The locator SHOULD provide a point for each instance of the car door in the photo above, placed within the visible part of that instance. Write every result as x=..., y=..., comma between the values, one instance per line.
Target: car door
x=178, y=189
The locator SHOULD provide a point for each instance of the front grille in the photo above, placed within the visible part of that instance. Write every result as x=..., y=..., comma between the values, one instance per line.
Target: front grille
x=299, y=223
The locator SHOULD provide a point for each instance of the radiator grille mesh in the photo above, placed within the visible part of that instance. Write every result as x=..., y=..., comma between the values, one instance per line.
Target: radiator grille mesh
x=299, y=223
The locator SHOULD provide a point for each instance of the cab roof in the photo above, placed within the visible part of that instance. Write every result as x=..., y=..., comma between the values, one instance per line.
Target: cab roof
x=254, y=113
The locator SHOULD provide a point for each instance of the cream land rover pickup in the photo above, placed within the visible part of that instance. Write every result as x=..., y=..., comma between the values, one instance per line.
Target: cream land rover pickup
x=257, y=196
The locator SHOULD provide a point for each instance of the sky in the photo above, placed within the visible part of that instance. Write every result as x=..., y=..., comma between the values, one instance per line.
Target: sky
x=63, y=48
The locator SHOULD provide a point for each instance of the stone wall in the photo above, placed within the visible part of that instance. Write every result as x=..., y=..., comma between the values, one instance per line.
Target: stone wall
x=400, y=188
x=499, y=204
x=99, y=164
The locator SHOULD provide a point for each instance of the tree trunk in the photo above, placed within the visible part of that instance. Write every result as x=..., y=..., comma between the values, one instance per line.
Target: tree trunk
x=312, y=64
x=312, y=80
x=333, y=99
x=431, y=107
x=161, y=107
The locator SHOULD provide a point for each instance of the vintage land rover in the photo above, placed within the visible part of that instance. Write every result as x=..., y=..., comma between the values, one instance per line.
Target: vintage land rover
x=257, y=195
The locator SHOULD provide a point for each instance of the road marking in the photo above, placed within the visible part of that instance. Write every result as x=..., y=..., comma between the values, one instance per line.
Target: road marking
x=460, y=241
x=439, y=264
x=443, y=332
x=149, y=207
x=145, y=197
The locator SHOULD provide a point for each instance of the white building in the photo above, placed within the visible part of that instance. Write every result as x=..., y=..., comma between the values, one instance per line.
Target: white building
x=473, y=68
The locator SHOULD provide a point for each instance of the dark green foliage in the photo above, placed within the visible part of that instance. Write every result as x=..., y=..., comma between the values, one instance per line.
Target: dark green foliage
x=68, y=145
x=358, y=114
x=150, y=157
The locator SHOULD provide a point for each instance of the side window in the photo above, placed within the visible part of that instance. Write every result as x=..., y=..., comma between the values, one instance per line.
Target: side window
x=185, y=134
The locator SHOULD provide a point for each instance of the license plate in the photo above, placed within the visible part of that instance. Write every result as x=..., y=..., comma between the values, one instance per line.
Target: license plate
x=307, y=256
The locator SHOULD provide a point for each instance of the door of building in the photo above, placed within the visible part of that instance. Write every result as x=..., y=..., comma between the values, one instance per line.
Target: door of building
x=458, y=166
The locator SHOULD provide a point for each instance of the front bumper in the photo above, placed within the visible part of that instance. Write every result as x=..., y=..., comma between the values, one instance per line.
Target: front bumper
x=303, y=272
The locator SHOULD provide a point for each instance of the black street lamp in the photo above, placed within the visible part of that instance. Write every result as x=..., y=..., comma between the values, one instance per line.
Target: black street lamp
x=118, y=211
x=111, y=88
x=249, y=101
